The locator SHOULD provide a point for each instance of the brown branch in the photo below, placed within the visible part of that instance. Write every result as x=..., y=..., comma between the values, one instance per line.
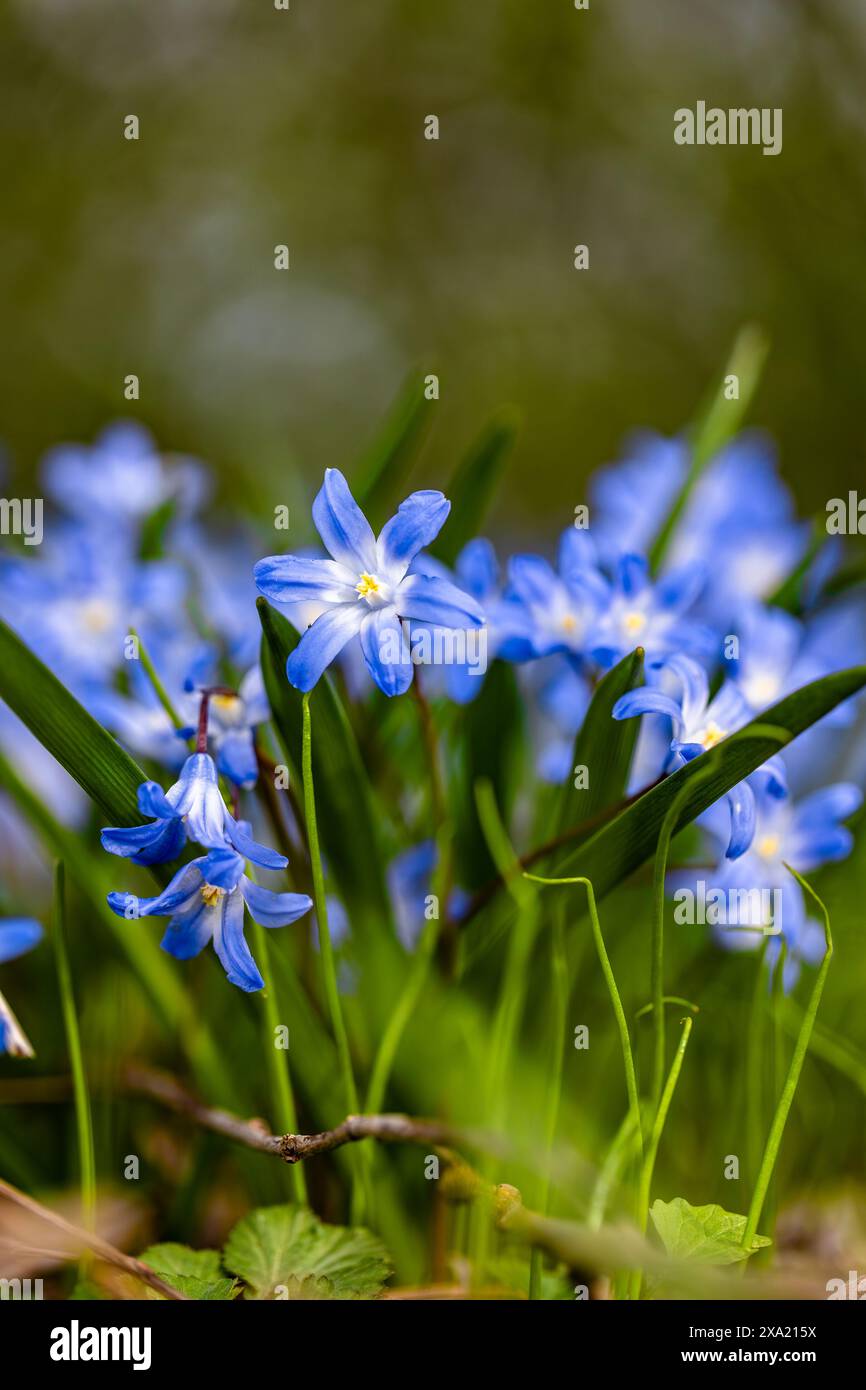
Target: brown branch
x=78, y=1240
x=292, y=1148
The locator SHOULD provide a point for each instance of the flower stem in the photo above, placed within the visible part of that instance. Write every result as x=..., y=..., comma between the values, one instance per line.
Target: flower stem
x=282, y=1098
x=801, y=1047
x=661, y=1114
x=559, y=993
x=83, y=1117
x=326, y=953
x=159, y=689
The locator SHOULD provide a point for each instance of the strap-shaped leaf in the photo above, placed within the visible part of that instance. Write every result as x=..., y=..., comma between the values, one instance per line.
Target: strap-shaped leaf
x=473, y=484
x=604, y=746
x=388, y=462
x=347, y=814
x=81, y=745
x=622, y=846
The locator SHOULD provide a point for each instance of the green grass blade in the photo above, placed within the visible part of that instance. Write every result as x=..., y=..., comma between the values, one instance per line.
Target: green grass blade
x=80, y=1090
x=383, y=471
x=473, y=484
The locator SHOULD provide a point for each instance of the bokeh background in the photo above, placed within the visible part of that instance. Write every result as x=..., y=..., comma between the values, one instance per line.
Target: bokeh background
x=306, y=127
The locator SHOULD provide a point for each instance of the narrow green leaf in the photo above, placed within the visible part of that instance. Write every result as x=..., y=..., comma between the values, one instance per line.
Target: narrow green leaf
x=274, y=1245
x=718, y=423
x=87, y=751
x=472, y=486
x=620, y=847
x=710, y=1235
x=604, y=746
x=347, y=812
x=389, y=459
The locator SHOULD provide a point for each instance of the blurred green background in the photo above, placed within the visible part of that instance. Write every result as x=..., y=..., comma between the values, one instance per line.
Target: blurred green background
x=261, y=127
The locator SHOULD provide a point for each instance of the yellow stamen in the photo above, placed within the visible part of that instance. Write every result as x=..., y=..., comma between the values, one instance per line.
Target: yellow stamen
x=211, y=894
x=768, y=846
x=634, y=622
x=711, y=736
x=569, y=623
x=368, y=584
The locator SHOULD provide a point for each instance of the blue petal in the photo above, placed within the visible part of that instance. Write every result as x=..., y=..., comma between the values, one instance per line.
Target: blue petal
x=577, y=551
x=695, y=688
x=646, y=700
x=532, y=579
x=238, y=835
x=741, y=802
x=178, y=894
x=196, y=796
x=231, y=947
x=300, y=578
x=322, y=642
x=344, y=529
x=236, y=757
x=152, y=801
x=222, y=868
x=146, y=844
x=477, y=568
x=386, y=651
x=633, y=574
x=189, y=931
x=17, y=936
x=417, y=522
x=274, y=909
x=436, y=601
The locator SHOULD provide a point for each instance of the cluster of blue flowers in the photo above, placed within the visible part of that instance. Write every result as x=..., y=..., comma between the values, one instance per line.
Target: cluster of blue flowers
x=363, y=604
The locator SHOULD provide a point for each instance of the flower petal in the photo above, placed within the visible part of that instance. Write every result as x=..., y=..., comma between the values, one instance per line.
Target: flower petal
x=196, y=796
x=322, y=642
x=274, y=909
x=344, y=529
x=190, y=930
x=301, y=578
x=231, y=947
x=436, y=601
x=177, y=895
x=146, y=844
x=741, y=803
x=238, y=835
x=416, y=523
x=236, y=757
x=17, y=936
x=646, y=700
x=386, y=651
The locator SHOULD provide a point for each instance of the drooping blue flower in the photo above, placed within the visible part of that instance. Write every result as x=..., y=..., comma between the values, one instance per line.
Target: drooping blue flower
x=410, y=880
x=192, y=807
x=17, y=936
x=205, y=902
x=234, y=719
x=366, y=586
x=699, y=723
x=804, y=834
x=779, y=654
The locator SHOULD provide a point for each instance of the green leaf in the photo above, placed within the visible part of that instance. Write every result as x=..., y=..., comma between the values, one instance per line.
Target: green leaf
x=604, y=746
x=87, y=751
x=274, y=1245
x=472, y=486
x=197, y=1273
x=710, y=1235
x=347, y=813
x=311, y=1289
x=718, y=423
x=386, y=464
x=491, y=736
x=620, y=847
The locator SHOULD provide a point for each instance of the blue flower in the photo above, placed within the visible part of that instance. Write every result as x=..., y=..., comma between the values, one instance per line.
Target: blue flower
x=121, y=479
x=700, y=723
x=561, y=607
x=366, y=586
x=410, y=880
x=192, y=807
x=17, y=936
x=652, y=616
x=804, y=834
x=205, y=902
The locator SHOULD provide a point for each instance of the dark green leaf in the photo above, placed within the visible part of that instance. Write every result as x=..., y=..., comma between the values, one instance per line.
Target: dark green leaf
x=472, y=485
x=196, y=1273
x=617, y=849
x=87, y=751
x=382, y=472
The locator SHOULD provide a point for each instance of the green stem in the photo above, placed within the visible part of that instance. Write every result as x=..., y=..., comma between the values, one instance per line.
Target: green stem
x=755, y=1064
x=616, y=1002
x=661, y=1114
x=159, y=689
x=559, y=995
x=83, y=1117
x=614, y=1162
x=277, y=1062
x=801, y=1047
x=326, y=954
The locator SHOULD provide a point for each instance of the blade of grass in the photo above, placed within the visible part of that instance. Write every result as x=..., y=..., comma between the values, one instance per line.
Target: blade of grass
x=277, y=1061
x=81, y=1093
